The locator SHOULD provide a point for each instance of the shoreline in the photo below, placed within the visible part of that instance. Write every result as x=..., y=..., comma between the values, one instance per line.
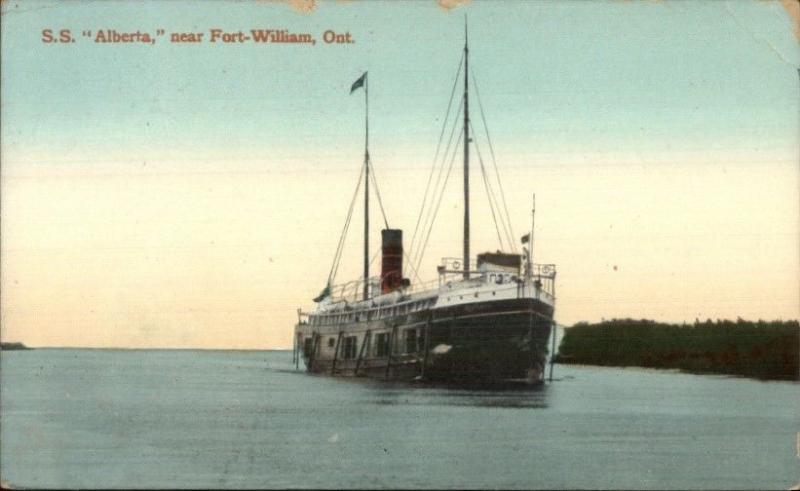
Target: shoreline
x=758, y=350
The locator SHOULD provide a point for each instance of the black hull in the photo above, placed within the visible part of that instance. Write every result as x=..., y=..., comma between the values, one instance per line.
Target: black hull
x=484, y=342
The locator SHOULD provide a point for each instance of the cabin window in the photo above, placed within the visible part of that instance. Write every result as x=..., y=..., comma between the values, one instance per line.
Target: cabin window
x=382, y=344
x=499, y=279
x=307, y=347
x=331, y=342
x=411, y=340
x=350, y=343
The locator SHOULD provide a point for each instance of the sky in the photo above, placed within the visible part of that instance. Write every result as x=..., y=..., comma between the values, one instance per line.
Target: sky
x=191, y=195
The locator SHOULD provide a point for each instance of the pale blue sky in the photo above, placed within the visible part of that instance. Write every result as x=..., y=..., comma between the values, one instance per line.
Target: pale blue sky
x=559, y=76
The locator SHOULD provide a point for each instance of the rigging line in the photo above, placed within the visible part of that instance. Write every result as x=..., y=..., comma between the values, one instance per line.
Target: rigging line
x=489, y=196
x=438, y=147
x=374, y=256
x=438, y=204
x=377, y=190
x=340, y=249
x=337, y=257
x=494, y=160
x=435, y=190
x=441, y=171
x=415, y=271
x=494, y=202
x=427, y=212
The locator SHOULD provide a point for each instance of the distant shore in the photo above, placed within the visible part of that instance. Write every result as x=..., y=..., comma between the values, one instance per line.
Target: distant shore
x=766, y=350
x=13, y=346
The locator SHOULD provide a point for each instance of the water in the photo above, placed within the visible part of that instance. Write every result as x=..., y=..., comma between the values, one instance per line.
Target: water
x=177, y=419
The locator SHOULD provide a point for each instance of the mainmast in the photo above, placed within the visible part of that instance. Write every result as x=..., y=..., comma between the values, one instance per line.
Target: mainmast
x=466, y=151
x=366, y=189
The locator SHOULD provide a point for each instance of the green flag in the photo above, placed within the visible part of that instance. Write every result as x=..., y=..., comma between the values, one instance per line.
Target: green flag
x=358, y=83
x=326, y=292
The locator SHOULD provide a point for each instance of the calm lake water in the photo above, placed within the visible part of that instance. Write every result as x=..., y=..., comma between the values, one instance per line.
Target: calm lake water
x=177, y=419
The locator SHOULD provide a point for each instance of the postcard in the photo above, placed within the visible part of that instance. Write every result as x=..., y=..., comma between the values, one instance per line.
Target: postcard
x=400, y=245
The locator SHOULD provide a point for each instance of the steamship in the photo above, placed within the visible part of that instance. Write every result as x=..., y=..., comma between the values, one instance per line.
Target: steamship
x=485, y=320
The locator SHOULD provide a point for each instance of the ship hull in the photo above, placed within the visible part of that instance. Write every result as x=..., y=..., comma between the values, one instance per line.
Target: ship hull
x=502, y=341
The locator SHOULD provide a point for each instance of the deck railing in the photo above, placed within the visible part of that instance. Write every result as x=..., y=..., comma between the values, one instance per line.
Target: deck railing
x=352, y=291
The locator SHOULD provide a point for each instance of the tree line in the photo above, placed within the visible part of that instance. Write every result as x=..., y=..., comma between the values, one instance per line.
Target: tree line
x=767, y=350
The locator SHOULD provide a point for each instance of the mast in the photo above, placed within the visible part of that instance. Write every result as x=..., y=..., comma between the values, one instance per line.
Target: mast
x=366, y=188
x=533, y=227
x=466, y=151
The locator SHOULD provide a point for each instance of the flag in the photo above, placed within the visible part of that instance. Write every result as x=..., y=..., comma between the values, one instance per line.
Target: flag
x=358, y=83
x=326, y=292
x=526, y=238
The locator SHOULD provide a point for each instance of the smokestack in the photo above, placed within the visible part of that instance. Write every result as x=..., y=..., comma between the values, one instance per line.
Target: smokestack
x=392, y=260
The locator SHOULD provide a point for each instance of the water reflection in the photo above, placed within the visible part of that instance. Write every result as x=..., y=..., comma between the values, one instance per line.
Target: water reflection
x=475, y=395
